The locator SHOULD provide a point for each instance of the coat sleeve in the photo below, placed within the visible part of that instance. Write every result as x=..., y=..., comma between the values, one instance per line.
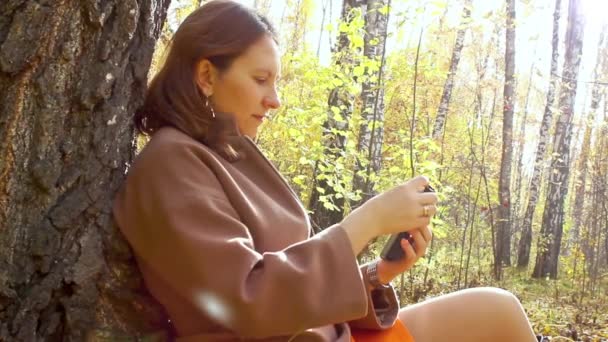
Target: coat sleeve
x=177, y=218
x=382, y=309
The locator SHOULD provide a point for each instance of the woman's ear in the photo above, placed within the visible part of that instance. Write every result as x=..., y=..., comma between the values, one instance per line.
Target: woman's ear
x=205, y=76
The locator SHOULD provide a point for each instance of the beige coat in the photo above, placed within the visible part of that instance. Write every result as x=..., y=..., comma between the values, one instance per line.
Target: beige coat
x=226, y=248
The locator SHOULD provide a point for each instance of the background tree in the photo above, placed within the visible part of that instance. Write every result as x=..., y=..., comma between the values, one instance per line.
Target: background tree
x=589, y=211
x=371, y=130
x=503, y=226
x=518, y=154
x=298, y=21
x=327, y=197
x=525, y=242
x=553, y=215
x=595, y=237
x=444, y=104
x=580, y=193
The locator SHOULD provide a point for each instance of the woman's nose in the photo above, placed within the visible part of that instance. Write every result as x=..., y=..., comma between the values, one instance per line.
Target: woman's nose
x=272, y=101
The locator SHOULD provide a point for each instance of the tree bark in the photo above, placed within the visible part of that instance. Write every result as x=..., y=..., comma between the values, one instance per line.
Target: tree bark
x=525, y=242
x=444, y=104
x=553, y=215
x=504, y=185
x=71, y=75
x=371, y=130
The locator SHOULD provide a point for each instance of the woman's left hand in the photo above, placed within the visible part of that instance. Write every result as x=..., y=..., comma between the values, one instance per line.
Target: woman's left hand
x=387, y=270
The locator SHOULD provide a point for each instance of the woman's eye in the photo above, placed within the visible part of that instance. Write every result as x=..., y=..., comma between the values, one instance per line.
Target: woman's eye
x=260, y=80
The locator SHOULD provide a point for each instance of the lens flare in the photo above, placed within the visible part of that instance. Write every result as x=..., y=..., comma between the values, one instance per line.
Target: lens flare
x=213, y=306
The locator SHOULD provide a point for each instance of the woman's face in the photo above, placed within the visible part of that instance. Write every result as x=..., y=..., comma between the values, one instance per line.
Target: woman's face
x=247, y=89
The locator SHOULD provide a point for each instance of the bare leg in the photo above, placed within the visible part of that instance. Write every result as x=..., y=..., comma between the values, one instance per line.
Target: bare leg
x=472, y=315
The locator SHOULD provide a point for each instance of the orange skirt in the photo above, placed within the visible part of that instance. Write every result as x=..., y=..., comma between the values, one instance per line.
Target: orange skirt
x=397, y=333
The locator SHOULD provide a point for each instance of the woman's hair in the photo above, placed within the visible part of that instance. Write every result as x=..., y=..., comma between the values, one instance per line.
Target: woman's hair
x=220, y=31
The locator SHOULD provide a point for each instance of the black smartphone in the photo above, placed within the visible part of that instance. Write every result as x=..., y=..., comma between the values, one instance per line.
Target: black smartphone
x=392, y=249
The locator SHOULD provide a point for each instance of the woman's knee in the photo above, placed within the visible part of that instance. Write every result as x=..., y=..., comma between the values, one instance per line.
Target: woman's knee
x=497, y=300
x=477, y=314
x=474, y=303
x=496, y=292
x=502, y=295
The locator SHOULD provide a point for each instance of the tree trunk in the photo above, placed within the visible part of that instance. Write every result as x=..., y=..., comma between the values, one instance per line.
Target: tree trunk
x=504, y=184
x=326, y=200
x=297, y=37
x=486, y=133
x=525, y=242
x=597, y=222
x=602, y=172
x=442, y=112
x=371, y=131
x=71, y=75
x=519, y=154
x=553, y=215
x=601, y=68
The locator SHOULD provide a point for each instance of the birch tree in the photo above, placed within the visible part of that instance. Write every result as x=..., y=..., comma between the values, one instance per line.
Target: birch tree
x=525, y=242
x=601, y=68
x=503, y=227
x=553, y=216
x=442, y=112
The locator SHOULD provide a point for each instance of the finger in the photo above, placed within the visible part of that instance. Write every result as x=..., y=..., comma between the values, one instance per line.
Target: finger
x=428, y=198
x=428, y=210
x=420, y=243
x=421, y=221
x=408, y=249
x=420, y=182
x=410, y=239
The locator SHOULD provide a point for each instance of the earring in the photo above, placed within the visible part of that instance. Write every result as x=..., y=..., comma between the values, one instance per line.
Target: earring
x=209, y=107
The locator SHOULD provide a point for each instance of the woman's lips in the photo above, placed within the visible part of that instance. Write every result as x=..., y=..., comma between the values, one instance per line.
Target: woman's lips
x=260, y=117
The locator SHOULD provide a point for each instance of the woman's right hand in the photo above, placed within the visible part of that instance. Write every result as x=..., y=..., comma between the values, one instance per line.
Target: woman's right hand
x=396, y=210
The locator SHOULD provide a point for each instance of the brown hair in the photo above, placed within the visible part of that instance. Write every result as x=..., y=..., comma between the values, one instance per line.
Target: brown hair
x=220, y=31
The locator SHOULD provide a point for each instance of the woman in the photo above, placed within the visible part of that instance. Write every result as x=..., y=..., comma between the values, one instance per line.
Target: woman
x=223, y=242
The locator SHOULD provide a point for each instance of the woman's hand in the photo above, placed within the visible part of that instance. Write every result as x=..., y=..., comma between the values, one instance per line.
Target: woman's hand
x=388, y=270
x=403, y=208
